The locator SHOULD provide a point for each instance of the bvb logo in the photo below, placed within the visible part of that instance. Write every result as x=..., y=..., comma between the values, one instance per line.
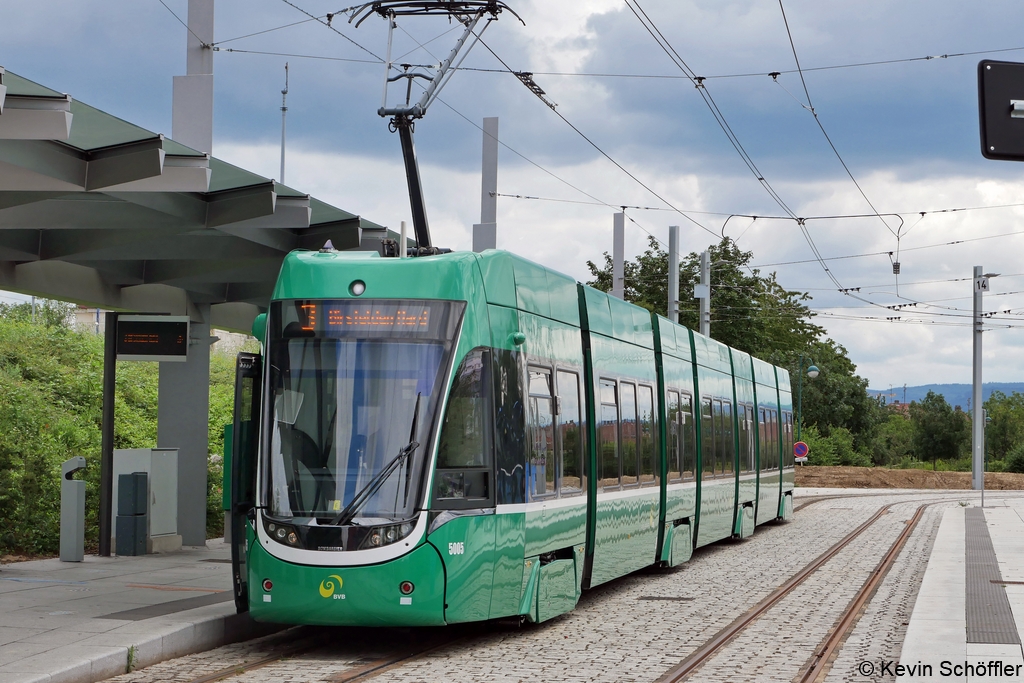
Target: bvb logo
x=327, y=586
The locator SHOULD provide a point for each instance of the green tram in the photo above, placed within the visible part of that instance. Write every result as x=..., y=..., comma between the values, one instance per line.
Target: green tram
x=464, y=437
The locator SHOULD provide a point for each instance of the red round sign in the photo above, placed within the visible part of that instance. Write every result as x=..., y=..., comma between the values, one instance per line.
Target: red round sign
x=800, y=449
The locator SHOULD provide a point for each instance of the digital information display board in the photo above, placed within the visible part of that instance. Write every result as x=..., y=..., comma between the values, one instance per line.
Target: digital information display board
x=162, y=338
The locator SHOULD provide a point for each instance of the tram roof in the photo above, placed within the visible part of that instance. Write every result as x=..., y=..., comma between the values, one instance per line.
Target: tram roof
x=102, y=212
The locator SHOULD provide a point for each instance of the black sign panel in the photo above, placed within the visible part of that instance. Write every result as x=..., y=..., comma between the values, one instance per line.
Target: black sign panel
x=152, y=337
x=1001, y=109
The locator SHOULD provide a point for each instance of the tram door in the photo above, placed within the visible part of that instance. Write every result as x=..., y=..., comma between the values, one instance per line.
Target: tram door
x=244, y=452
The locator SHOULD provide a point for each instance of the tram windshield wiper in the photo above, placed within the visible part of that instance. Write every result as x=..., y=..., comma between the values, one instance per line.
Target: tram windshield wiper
x=367, y=492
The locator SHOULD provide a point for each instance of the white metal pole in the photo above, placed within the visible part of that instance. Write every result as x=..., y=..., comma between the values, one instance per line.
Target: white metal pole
x=402, y=247
x=673, y=273
x=618, y=256
x=977, y=417
x=284, y=112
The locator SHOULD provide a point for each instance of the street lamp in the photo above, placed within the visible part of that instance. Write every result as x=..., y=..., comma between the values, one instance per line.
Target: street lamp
x=812, y=372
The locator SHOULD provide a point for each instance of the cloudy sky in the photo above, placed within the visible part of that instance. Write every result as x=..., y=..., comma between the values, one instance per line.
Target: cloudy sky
x=907, y=129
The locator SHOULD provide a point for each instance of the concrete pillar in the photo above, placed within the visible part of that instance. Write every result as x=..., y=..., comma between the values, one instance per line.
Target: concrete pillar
x=673, y=273
x=192, y=106
x=183, y=423
x=485, y=233
x=619, y=256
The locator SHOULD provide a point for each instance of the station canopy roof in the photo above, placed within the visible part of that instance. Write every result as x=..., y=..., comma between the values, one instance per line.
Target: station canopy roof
x=101, y=212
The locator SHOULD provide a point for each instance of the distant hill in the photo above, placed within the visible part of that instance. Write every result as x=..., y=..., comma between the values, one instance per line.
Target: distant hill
x=955, y=394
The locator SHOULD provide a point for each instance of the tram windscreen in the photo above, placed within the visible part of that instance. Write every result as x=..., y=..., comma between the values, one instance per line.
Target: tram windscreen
x=352, y=384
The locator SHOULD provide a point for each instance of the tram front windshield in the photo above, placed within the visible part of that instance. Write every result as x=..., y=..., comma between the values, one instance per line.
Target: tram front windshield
x=354, y=387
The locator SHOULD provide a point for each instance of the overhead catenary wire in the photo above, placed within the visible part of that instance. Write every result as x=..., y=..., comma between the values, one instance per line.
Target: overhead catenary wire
x=699, y=84
x=260, y=33
x=817, y=119
x=606, y=155
x=709, y=101
x=480, y=128
x=183, y=23
x=761, y=74
x=293, y=55
x=330, y=26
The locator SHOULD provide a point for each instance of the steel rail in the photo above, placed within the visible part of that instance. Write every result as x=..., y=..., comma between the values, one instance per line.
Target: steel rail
x=383, y=664
x=362, y=670
x=709, y=648
x=816, y=666
x=245, y=667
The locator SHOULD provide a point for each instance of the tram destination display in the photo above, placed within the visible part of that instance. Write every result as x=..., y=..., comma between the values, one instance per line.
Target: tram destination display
x=162, y=338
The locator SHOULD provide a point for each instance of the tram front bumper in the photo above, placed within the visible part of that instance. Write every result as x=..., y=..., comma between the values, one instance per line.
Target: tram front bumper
x=348, y=596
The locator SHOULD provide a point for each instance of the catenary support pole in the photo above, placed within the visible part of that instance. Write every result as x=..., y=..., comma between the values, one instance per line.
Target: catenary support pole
x=977, y=415
x=705, y=301
x=284, y=113
x=107, y=431
x=192, y=99
x=673, y=273
x=618, y=256
x=485, y=233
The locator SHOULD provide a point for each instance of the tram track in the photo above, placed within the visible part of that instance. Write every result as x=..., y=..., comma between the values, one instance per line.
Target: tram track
x=815, y=667
x=361, y=669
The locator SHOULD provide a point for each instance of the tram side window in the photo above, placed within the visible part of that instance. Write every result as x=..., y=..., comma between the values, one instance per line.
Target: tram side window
x=570, y=435
x=688, y=427
x=719, y=439
x=628, y=433
x=509, y=428
x=465, y=435
x=542, y=473
x=762, y=439
x=728, y=442
x=787, y=442
x=707, y=429
x=773, y=428
x=645, y=410
x=673, y=450
x=746, y=452
x=608, y=436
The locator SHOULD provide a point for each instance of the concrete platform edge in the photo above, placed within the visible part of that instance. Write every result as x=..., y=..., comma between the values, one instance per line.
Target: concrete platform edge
x=89, y=664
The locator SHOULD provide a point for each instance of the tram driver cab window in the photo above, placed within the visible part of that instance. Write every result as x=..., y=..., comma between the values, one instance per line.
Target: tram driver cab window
x=464, y=455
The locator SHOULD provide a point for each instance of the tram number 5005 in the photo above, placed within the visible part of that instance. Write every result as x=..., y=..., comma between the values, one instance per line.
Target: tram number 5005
x=457, y=548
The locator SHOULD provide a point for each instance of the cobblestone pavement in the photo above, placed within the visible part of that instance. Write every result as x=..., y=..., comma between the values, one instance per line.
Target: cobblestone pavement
x=616, y=635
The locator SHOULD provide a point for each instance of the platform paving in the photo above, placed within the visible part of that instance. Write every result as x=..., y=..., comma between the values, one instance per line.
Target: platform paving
x=955, y=623
x=80, y=622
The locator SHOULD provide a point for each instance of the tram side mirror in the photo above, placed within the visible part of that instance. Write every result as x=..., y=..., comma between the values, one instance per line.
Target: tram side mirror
x=259, y=327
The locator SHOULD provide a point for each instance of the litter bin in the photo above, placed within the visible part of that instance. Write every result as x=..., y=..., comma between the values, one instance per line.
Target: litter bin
x=72, y=511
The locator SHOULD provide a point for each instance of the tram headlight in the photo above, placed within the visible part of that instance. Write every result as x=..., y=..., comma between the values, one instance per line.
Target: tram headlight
x=386, y=535
x=283, y=533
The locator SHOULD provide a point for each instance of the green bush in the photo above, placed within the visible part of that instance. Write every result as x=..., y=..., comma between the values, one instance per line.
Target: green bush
x=51, y=409
x=1014, y=462
x=820, y=450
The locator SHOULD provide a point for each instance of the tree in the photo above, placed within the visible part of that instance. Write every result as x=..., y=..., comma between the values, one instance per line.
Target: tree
x=1007, y=427
x=837, y=397
x=894, y=440
x=754, y=313
x=939, y=431
x=749, y=311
